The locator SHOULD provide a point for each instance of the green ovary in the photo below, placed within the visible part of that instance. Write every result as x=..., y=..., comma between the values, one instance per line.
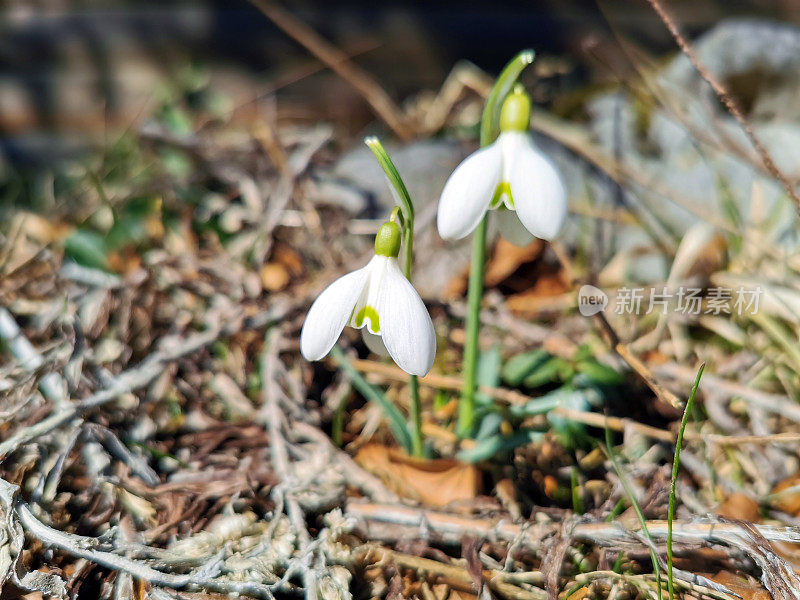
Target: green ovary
x=370, y=314
x=503, y=188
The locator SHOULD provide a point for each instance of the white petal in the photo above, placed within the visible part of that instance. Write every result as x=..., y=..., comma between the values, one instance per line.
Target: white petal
x=406, y=326
x=330, y=313
x=540, y=197
x=374, y=342
x=468, y=192
x=511, y=228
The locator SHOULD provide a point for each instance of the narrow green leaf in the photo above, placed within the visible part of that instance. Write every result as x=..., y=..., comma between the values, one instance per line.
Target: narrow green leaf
x=397, y=422
x=519, y=366
x=396, y=184
x=87, y=248
x=634, y=502
x=674, y=482
x=489, y=447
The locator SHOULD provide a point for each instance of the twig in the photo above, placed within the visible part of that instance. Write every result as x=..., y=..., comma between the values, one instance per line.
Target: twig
x=355, y=475
x=391, y=522
x=389, y=372
x=455, y=576
x=280, y=459
x=726, y=98
x=85, y=547
x=637, y=365
x=171, y=349
x=773, y=403
x=51, y=385
x=340, y=63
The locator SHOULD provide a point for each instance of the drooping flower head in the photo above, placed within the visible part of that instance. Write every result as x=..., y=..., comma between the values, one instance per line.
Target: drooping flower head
x=511, y=176
x=379, y=300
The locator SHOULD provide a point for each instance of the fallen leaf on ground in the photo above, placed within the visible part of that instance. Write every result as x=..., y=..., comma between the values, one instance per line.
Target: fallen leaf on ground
x=507, y=258
x=787, y=499
x=740, y=506
x=747, y=589
x=433, y=482
x=547, y=294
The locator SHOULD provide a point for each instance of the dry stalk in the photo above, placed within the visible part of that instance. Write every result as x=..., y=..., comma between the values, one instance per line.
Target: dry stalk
x=727, y=100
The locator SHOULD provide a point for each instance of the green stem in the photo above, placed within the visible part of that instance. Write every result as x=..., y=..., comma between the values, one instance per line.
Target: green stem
x=674, y=483
x=466, y=408
x=403, y=199
x=415, y=405
x=489, y=131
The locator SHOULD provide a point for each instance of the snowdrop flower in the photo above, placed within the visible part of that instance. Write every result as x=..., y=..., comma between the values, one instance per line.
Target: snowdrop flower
x=379, y=300
x=512, y=176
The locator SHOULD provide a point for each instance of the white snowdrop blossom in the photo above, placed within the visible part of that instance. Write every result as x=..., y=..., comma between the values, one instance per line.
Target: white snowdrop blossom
x=379, y=300
x=511, y=176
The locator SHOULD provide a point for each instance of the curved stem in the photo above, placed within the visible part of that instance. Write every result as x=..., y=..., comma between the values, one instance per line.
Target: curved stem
x=489, y=131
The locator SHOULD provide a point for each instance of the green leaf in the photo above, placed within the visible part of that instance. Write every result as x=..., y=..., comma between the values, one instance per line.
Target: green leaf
x=599, y=373
x=396, y=185
x=397, y=422
x=489, y=447
x=519, y=366
x=87, y=248
x=489, y=425
x=547, y=372
x=488, y=373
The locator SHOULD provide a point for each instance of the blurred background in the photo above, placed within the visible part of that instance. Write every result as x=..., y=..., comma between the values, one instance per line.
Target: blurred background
x=72, y=72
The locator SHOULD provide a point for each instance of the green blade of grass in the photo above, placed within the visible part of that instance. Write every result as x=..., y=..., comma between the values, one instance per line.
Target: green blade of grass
x=674, y=483
x=634, y=503
x=397, y=422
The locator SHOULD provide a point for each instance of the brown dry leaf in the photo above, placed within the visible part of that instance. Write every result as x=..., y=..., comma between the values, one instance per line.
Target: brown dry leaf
x=789, y=501
x=550, y=486
x=507, y=258
x=740, y=506
x=747, y=589
x=433, y=482
x=548, y=294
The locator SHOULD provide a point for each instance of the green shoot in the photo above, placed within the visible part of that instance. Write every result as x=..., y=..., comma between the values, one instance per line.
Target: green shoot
x=634, y=503
x=673, y=484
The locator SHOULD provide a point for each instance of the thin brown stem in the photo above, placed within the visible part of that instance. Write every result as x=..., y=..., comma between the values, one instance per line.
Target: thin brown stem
x=726, y=98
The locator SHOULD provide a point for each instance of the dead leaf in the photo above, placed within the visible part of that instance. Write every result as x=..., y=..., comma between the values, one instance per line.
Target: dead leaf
x=789, y=500
x=548, y=294
x=747, y=589
x=433, y=482
x=507, y=258
x=740, y=506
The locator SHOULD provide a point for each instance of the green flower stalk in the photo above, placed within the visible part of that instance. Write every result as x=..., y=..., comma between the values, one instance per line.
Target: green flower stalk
x=379, y=300
x=404, y=214
x=513, y=178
